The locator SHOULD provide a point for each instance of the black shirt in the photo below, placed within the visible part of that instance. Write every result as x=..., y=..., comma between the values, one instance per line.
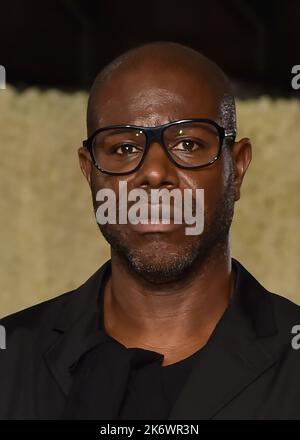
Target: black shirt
x=174, y=377
x=58, y=364
x=149, y=389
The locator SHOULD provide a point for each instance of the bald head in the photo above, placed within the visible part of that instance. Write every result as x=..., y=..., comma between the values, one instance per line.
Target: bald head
x=158, y=66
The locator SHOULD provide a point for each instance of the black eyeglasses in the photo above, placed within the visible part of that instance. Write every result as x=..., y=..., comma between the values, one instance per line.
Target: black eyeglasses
x=189, y=144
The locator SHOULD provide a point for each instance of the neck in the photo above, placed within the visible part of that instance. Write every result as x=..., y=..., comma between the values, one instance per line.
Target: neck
x=175, y=319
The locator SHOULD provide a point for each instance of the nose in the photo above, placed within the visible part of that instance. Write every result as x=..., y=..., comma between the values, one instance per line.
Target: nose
x=157, y=170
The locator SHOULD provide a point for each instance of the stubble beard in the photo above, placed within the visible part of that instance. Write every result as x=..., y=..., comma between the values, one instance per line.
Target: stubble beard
x=161, y=262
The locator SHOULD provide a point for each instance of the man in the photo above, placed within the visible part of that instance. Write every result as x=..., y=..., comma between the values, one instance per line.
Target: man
x=171, y=327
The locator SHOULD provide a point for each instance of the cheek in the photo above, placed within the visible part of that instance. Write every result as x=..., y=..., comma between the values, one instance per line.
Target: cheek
x=212, y=179
x=98, y=181
x=104, y=181
x=216, y=181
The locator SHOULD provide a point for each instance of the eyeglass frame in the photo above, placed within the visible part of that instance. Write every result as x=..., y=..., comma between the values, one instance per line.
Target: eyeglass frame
x=156, y=133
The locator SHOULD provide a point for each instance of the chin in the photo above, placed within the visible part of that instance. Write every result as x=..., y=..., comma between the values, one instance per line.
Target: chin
x=157, y=258
x=160, y=262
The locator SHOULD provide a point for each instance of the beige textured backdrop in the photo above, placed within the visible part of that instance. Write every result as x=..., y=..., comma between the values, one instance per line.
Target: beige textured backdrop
x=49, y=239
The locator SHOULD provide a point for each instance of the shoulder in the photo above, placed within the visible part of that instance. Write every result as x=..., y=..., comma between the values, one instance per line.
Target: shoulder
x=267, y=308
x=37, y=314
x=284, y=307
x=287, y=314
x=46, y=315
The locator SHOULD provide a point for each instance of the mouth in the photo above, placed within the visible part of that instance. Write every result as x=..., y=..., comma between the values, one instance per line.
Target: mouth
x=156, y=218
x=154, y=228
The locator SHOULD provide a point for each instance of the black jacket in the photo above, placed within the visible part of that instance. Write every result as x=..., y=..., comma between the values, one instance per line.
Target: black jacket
x=249, y=369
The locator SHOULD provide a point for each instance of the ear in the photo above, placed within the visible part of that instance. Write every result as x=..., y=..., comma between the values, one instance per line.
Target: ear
x=241, y=156
x=85, y=162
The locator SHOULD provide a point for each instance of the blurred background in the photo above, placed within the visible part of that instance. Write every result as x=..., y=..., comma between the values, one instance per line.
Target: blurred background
x=52, y=50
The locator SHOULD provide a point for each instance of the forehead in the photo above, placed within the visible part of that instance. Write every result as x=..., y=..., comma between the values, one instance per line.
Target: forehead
x=150, y=98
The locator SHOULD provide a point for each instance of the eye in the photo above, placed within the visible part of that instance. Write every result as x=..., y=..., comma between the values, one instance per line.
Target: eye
x=186, y=145
x=126, y=149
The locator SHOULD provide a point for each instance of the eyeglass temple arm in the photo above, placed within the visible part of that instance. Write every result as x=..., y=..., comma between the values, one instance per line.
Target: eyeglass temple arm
x=230, y=133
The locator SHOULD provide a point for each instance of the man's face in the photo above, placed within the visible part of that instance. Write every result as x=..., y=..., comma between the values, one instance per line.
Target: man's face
x=147, y=98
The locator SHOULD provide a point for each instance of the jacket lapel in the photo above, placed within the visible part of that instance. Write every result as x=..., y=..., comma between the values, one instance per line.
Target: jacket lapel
x=78, y=328
x=240, y=349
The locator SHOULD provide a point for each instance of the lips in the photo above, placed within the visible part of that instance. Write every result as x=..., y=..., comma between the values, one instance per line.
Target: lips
x=154, y=228
x=155, y=214
x=154, y=218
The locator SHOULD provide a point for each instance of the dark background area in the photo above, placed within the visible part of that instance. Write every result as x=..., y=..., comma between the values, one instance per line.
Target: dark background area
x=64, y=43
